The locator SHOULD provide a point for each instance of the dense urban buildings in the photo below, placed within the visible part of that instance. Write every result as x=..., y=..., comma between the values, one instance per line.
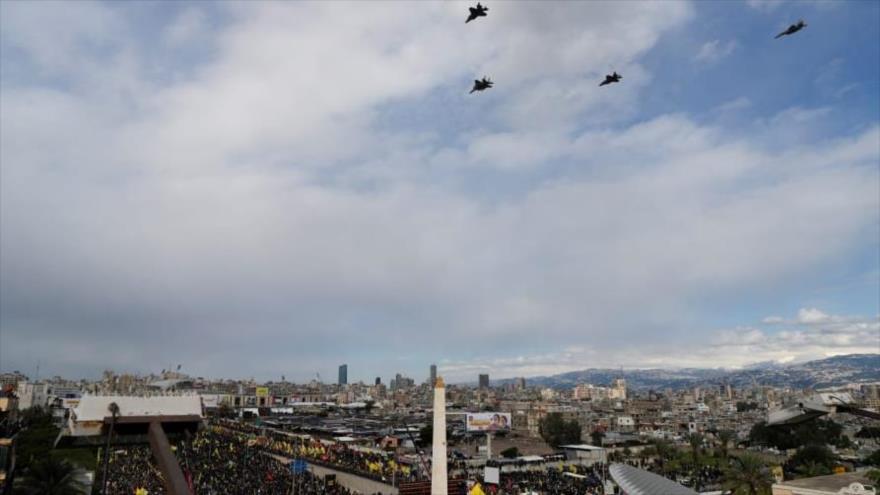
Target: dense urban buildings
x=363, y=427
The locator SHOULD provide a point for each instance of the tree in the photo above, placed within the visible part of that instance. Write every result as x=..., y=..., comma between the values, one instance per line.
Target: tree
x=35, y=441
x=873, y=459
x=813, y=460
x=556, y=431
x=818, y=432
x=665, y=450
x=510, y=453
x=748, y=475
x=874, y=476
x=696, y=441
x=51, y=476
x=224, y=411
x=724, y=439
x=869, y=432
x=596, y=436
x=813, y=468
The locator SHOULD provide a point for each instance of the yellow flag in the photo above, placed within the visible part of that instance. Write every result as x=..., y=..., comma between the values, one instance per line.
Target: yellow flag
x=477, y=490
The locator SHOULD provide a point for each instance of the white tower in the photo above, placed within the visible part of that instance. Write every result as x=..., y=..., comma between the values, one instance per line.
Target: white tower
x=439, y=481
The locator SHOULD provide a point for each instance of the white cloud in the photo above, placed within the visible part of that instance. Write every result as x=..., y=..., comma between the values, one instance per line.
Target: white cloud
x=715, y=50
x=190, y=26
x=737, y=104
x=733, y=348
x=765, y=5
x=812, y=316
x=261, y=199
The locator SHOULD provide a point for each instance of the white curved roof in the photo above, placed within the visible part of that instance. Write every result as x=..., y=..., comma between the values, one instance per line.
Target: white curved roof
x=635, y=481
x=94, y=407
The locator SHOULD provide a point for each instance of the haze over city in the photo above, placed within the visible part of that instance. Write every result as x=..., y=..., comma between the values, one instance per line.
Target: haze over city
x=266, y=189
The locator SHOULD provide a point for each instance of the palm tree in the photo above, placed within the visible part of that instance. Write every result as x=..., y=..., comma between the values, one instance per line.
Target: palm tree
x=725, y=437
x=748, y=476
x=664, y=450
x=51, y=476
x=696, y=441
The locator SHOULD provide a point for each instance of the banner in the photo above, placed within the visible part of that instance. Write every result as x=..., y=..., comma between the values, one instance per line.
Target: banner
x=488, y=421
x=492, y=475
x=262, y=391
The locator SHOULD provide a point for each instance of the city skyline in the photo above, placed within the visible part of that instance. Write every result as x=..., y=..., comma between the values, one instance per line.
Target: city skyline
x=552, y=381
x=189, y=183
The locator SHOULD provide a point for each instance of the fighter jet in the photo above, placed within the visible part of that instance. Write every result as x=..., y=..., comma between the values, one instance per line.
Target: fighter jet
x=482, y=84
x=792, y=29
x=478, y=11
x=611, y=78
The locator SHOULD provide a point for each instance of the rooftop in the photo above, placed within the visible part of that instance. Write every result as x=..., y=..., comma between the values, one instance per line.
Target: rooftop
x=94, y=407
x=581, y=446
x=830, y=483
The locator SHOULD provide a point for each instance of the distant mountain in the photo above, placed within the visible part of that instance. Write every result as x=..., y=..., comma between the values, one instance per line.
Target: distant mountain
x=765, y=365
x=829, y=372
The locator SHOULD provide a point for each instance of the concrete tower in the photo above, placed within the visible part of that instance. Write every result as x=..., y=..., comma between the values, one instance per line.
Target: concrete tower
x=439, y=480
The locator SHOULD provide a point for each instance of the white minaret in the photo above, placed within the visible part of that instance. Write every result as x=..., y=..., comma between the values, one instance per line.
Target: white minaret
x=439, y=481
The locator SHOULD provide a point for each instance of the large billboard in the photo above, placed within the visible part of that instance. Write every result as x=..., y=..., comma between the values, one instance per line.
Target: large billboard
x=262, y=391
x=488, y=421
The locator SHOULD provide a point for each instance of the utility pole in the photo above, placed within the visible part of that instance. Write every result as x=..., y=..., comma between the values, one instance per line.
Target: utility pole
x=114, y=412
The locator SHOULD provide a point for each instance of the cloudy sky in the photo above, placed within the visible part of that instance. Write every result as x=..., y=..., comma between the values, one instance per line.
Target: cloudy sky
x=258, y=189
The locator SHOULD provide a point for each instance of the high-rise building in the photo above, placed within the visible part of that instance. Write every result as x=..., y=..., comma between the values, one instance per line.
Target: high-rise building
x=400, y=382
x=521, y=383
x=484, y=380
x=378, y=381
x=343, y=374
x=433, y=375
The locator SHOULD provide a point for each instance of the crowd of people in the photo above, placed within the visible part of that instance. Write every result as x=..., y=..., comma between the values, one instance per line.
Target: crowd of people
x=701, y=476
x=568, y=480
x=131, y=471
x=214, y=463
x=378, y=466
x=220, y=460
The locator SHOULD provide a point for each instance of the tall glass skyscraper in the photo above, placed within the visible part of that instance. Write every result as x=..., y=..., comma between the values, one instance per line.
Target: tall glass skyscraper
x=343, y=374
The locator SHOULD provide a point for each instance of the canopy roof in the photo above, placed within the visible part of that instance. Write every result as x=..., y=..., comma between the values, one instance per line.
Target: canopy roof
x=635, y=481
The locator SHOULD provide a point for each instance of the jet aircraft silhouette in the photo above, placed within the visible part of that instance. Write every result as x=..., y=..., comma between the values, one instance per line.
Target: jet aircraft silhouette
x=482, y=84
x=611, y=78
x=792, y=29
x=478, y=11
